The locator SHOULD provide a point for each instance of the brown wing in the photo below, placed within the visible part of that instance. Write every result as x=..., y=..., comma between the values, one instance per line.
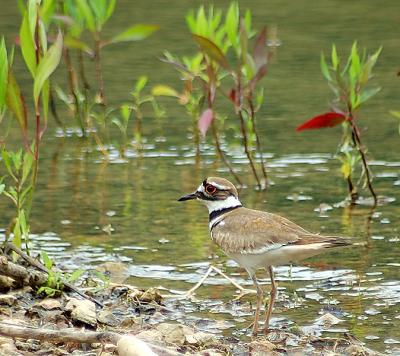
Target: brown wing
x=244, y=230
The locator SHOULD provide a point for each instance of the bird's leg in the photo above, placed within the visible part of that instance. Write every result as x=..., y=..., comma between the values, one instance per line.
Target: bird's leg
x=271, y=300
x=260, y=295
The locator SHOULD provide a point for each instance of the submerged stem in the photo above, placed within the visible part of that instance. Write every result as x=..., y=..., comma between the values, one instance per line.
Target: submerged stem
x=246, y=148
x=357, y=141
x=221, y=154
x=258, y=142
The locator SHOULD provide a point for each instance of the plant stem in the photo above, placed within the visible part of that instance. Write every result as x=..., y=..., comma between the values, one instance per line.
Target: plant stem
x=258, y=142
x=99, y=73
x=222, y=155
x=53, y=109
x=86, y=86
x=72, y=89
x=246, y=148
x=357, y=141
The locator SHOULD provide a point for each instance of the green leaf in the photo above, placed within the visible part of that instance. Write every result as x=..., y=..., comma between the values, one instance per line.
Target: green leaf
x=42, y=36
x=140, y=84
x=232, y=24
x=164, y=90
x=396, y=114
x=110, y=9
x=190, y=21
x=86, y=13
x=32, y=14
x=369, y=93
x=73, y=42
x=28, y=45
x=247, y=21
x=201, y=22
x=3, y=74
x=48, y=263
x=45, y=95
x=15, y=101
x=47, y=66
x=212, y=50
x=137, y=32
x=355, y=65
x=2, y=187
x=26, y=166
x=76, y=275
x=324, y=68
x=47, y=10
x=125, y=112
x=334, y=57
x=99, y=11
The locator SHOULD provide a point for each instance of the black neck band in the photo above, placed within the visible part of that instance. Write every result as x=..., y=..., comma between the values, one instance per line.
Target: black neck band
x=217, y=213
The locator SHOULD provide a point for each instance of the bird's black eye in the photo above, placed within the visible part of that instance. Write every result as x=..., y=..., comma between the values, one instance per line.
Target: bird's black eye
x=210, y=189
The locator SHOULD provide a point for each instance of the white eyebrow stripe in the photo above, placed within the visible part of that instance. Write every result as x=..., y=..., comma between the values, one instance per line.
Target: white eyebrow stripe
x=219, y=186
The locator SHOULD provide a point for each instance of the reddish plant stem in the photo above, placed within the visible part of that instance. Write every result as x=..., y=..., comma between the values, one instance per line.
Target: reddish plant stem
x=244, y=131
x=258, y=142
x=357, y=141
x=99, y=73
x=246, y=148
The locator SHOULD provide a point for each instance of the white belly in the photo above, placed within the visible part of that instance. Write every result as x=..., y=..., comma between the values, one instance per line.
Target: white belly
x=279, y=256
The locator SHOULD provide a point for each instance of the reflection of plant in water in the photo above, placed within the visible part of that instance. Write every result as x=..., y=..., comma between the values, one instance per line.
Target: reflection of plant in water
x=22, y=166
x=349, y=82
x=133, y=112
x=228, y=64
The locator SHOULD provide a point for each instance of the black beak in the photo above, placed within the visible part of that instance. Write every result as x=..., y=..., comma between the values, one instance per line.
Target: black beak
x=188, y=197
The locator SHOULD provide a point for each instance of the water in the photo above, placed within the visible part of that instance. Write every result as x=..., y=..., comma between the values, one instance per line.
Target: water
x=163, y=242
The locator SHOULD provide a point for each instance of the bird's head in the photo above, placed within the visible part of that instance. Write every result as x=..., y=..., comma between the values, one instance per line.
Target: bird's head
x=216, y=193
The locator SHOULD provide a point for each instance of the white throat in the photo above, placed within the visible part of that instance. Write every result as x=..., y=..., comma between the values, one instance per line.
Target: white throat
x=214, y=205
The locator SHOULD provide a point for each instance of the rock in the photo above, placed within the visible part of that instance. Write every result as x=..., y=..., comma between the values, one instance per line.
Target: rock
x=82, y=310
x=132, y=346
x=327, y=320
x=151, y=295
x=108, y=318
x=150, y=335
x=7, y=299
x=200, y=339
x=50, y=304
x=261, y=347
x=9, y=350
x=174, y=333
x=358, y=350
x=6, y=283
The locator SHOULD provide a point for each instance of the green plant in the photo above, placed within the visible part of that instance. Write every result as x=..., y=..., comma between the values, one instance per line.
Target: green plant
x=19, y=168
x=90, y=16
x=41, y=61
x=56, y=279
x=133, y=112
x=226, y=66
x=349, y=82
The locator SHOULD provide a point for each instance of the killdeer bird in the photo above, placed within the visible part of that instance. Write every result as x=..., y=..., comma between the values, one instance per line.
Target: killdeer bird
x=256, y=239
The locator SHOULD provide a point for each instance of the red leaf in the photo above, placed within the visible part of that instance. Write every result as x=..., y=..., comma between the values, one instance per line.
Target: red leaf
x=329, y=119
x=205, y=121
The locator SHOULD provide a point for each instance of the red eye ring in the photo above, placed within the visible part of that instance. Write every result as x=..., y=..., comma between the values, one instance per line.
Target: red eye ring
x=210, y=189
